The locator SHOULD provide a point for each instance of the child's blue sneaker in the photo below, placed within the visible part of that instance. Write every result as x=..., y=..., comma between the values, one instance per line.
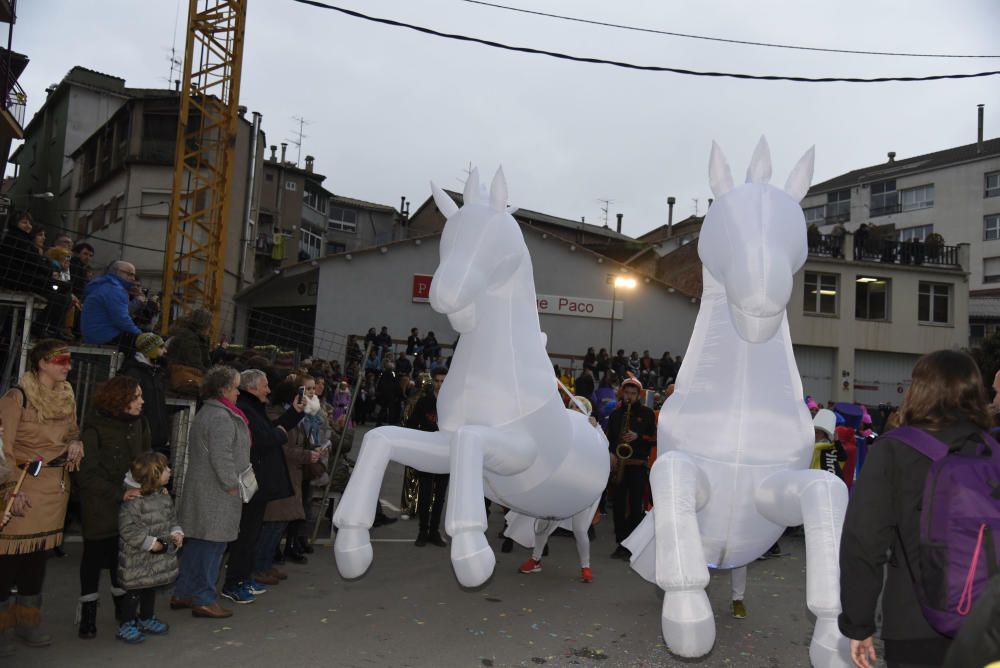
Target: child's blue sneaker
x=153, y=626
x=129, y=632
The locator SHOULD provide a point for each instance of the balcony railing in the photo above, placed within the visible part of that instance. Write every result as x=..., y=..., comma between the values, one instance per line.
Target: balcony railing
x=885, y=210
x=907, y=252
x=15, y=102
x=886, y=250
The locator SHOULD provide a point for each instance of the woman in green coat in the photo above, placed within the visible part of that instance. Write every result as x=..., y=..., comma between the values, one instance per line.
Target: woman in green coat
x=115, y=433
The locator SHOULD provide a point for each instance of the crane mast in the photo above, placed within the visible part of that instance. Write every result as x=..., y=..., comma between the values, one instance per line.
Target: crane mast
x=194, y=263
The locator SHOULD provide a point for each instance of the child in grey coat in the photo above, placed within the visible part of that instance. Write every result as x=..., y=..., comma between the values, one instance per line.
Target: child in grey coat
x=147, y=554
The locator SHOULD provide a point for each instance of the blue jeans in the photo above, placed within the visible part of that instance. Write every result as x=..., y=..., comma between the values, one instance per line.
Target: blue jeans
x=267, y=543
x=201, y=562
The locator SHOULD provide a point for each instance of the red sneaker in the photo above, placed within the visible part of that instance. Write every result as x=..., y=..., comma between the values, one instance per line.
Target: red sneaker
x=586, y=575
x=530, y=566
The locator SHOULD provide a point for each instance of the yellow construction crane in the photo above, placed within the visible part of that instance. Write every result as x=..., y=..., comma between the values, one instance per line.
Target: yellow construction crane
x=194, y=265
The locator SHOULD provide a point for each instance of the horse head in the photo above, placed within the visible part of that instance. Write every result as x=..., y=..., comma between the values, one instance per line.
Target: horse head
x=753, y=240
x=481, y=248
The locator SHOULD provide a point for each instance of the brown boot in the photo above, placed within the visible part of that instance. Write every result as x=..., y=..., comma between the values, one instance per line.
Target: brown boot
x=281, y=575
x=181, y=603
x=266, y=578
x=28, y=620
x=212, y=611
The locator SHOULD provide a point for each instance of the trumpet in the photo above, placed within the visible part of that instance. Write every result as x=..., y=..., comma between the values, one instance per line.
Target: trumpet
x=623, y=451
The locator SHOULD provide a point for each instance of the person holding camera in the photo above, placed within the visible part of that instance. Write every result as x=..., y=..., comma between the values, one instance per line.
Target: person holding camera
x=150, y=538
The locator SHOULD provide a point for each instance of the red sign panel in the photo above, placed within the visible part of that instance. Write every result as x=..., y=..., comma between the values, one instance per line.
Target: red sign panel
x=421, y=288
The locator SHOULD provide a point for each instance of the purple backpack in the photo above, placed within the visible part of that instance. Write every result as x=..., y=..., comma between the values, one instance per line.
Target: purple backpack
x=959, y=527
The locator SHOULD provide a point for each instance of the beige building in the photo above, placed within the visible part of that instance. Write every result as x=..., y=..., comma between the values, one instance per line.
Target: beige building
x=858, y=326
x=954, y=193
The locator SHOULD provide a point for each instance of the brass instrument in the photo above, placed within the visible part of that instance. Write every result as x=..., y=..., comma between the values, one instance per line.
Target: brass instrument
x=623, y=451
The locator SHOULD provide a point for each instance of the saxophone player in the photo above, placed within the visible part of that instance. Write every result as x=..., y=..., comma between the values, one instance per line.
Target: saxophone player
x=631, y=434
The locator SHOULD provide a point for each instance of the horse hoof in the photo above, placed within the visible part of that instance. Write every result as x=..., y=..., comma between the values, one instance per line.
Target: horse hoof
x=353, y=551
x=829, y=647
x=472, y=558
x=688, y=623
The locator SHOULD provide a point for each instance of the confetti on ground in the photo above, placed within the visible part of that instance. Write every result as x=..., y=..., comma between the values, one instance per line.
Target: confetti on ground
x=323, y=621
x=418, y=621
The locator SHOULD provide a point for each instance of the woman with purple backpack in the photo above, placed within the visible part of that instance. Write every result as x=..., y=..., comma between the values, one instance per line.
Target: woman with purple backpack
x=936, y=546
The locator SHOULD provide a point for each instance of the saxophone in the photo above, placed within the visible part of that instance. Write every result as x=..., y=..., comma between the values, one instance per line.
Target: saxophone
x=623, y=451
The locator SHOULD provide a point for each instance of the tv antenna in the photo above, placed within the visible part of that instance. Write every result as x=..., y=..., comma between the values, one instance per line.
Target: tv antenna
x=300, y=136
x=606, y=204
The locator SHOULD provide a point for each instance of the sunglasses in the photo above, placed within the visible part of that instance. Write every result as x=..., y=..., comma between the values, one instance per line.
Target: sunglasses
x=61, y=360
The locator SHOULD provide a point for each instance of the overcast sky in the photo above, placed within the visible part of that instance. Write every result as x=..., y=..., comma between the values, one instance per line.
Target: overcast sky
x=389, y=109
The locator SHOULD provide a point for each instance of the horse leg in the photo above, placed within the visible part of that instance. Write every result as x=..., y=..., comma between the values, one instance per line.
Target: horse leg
x=679, y=489
x=817, y=500
x=422, y=450
x=477, y=448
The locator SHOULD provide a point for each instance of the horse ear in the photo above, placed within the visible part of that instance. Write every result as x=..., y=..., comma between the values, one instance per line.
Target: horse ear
x=471, y=193
x=759, y=170
x=498, y=191
x=798, y=181
x=445, y=204
x=719, y=175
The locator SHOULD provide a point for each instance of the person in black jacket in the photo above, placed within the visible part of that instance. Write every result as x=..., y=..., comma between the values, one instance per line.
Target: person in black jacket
x=22, y=268
x=640, y=434
x=145, y=367
x=433, y=487
x=268, y=461
x=946, y=399
x=584, y=385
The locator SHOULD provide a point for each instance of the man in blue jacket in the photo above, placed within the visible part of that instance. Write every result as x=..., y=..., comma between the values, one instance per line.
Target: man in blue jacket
x=105, y=316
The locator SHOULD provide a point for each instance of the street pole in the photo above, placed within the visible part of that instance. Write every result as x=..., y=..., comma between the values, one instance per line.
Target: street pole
x=611, y=342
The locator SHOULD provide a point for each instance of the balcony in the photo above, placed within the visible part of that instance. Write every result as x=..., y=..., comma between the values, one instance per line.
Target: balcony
x=887, y=251
x=885, y=210
x=13, y=106
x=907, y=252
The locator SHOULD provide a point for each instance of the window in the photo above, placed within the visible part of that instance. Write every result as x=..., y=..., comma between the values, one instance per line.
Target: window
x=344, y=220
x=291, y=185
x=820, y=294
x=333, y=247
x=310, y=244
x=815, y=214
x=159, y=136
x=838, y=206
x=315, y=201
x=154, y=204
x=269, y=177
x=934, y=303
x=885, y=199
x=114, y=212
x=977, y=332
x=921, y=197
x=914, y=233
x=992, y=185
x=991, y=270
x=991, y=228
x=871, y=298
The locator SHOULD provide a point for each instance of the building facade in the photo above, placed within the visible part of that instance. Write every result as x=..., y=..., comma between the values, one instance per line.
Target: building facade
x=122, y=180
x=301, y=220
x=72, y=111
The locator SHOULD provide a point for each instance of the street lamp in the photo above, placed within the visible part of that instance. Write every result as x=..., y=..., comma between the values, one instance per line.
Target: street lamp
x=618, y=282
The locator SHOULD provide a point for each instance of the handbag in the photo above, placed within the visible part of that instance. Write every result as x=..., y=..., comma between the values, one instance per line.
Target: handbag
x=247, y=484
x=184, y=380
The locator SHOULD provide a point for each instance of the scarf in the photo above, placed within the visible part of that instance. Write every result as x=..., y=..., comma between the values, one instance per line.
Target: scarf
x=235, y=409
x=56, y=403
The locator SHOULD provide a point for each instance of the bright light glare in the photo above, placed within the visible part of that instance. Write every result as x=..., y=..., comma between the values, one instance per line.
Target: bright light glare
x=623, y=282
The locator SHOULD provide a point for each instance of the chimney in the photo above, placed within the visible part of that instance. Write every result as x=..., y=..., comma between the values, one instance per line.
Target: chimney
x=979, y=134
x=670, y=214
x=619, y=217
x=309, y=163
x=710, y=200
x=241, y=110
x=51, y=89
x=177, y=85
x=284, y=147
x=892, y=157
x=274, y=153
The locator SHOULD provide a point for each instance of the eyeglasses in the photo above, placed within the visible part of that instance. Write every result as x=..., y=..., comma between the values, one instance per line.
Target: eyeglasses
x=130, y=274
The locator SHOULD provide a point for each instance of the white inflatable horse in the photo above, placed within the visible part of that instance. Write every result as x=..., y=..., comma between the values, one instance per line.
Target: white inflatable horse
x=735, y=439
x=504, y=432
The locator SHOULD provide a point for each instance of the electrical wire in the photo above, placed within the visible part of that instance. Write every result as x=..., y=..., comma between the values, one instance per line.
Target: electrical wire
x=633, y=66
x=724, y=40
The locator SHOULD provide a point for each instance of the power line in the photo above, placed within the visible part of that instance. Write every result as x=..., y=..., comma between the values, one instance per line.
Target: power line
x=722, y=39
x=633, y=66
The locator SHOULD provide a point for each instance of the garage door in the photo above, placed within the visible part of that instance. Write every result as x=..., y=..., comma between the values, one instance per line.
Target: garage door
x=881, y=377
x=816, y=368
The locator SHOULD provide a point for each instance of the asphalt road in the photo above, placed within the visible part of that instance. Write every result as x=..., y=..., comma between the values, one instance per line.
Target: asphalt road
x=408, y=610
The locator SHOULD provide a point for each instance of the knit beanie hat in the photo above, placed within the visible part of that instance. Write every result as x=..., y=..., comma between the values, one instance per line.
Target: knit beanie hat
x=149, y=344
